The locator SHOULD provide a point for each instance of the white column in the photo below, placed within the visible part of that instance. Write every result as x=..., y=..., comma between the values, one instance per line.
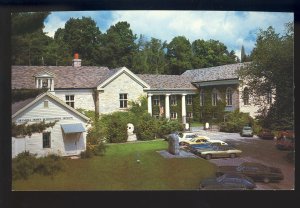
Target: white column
x=40, y=83
x=150, y=104
x=167, y=106
x=183, y=108
x=37, y=83
x=52, y=85
x=49, y=87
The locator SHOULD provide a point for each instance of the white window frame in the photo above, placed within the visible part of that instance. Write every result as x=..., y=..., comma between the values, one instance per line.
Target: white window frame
x=246, y=96
x=173, y=115
x=173, y=100
x=69, y=101
x=229, y=93
x=156, y=100
x=189, y=114
x=123, y=97
x=214, y=97
x=189, y=100
x=202, y=97
x=269, y=98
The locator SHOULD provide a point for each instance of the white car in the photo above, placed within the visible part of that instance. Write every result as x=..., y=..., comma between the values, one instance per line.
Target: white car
x=201, y=140
x=186, y=136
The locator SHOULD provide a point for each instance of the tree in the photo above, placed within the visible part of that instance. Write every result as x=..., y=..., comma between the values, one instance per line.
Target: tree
x=118, y=46
x=271, y=70
x=244, y=57
x=28, y=40
x=82, y=36
x=179, y=55
x=211, y=53
x=150, y=56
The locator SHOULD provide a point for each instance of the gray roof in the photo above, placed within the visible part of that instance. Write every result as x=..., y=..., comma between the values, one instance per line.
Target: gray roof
x=214, y=73
x=158, y=81
x=20, y=104
x=64, y=76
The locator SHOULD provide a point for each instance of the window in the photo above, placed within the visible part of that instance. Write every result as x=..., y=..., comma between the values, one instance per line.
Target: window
x=229, y=96
x=123, y=100
x=156, y=100
x=173, y=100
x=246, y=96
x=214, y=97
x=189, y=115
x=173, y=115
x=44, y=83
x=156, y=116
x=214, y=115
x=189, y=100
x=70, y=100
x=46, y=104
x=269, y=97
x=202, y=98
x=46, y=140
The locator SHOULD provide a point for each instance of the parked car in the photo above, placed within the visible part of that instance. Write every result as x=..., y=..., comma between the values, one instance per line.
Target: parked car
x=193, y=148
x=186, y=136
x=286, y=140
x=202, y=140
x=266, y=134
x=218, y=151
x=229, y=181
x=256, y=171
x=247, y=131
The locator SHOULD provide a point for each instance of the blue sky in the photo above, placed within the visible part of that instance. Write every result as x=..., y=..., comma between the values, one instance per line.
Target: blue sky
x=233, y=28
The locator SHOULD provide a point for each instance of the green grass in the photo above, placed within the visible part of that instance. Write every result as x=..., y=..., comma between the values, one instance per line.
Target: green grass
x=196, y=124
x=118, y=170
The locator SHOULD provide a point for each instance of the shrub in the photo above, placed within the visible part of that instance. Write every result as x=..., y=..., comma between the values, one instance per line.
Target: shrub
x=167, y=127
x=26, y=164
x=49, y=165
x=235, y=121
x=23, y=165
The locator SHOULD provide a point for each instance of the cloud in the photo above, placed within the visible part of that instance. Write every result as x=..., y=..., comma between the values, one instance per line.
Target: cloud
x=234, y=29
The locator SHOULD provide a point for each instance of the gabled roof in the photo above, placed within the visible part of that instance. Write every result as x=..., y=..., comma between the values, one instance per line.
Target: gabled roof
x=64, y=76
x=114, y=73
x=19, y=107
x=159, y=81
x=224, y=72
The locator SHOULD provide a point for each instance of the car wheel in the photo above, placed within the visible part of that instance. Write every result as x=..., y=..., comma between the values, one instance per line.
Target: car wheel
x=266, y=180
x=208, y=157
x=232, y=155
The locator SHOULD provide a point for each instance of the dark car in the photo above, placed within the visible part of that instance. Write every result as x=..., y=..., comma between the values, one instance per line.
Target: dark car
x=266, y=134
x=286, y=140
x=256, y=171
x=229, y=181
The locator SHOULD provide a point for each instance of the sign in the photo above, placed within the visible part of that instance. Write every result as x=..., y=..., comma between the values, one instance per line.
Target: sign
x=23, y=120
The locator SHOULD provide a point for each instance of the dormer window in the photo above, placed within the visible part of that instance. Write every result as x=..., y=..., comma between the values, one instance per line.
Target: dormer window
x=44, y=80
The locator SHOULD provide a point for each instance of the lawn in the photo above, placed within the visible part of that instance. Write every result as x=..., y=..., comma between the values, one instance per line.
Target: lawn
x=118, y=169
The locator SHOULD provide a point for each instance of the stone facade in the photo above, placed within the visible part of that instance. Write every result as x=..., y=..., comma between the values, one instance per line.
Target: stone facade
x=109, y=99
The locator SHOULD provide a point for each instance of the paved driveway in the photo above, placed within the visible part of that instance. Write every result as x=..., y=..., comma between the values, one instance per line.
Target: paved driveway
x=257, y=150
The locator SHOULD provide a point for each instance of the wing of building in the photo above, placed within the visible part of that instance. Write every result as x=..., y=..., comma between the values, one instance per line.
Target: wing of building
x=106, y=90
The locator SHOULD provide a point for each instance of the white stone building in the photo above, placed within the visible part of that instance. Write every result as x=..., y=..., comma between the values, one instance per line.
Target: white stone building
x=107, y=90
x=68, y=135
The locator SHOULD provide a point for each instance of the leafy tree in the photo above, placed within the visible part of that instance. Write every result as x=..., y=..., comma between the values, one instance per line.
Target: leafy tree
x=82, y=36
x=179, y=54
x=271, y=70
x=118, y=46
x=27, y=22
x=150, y=57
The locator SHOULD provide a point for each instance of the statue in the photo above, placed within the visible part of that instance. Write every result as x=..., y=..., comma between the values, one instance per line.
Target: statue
x=130, y=134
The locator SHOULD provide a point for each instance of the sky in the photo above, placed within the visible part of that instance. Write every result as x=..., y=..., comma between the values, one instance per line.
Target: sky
x=233, y=28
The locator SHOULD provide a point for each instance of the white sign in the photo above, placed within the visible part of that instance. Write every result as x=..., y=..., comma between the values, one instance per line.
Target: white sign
x=23, y=120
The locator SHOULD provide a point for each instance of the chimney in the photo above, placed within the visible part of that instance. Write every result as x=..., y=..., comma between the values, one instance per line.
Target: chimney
x=76, y=60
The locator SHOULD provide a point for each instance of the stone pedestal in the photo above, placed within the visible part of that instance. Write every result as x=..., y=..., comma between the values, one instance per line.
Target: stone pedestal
x=173, y=144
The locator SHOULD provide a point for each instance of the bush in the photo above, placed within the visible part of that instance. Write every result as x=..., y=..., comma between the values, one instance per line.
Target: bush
x=235, y=121
x=23, y=165
x=167, y=127
x=49, y=165
x=26, y=164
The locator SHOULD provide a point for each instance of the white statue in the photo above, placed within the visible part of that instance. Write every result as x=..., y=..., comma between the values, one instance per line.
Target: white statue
x=131, y=135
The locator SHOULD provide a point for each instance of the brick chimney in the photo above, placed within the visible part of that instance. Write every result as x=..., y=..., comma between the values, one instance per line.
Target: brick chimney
x=76, y=60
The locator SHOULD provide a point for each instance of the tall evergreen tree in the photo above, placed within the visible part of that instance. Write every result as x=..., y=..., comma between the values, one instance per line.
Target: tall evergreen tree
x=243, y=55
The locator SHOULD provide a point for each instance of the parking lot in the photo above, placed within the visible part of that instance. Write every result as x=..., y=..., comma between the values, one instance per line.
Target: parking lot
x=257, y=150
